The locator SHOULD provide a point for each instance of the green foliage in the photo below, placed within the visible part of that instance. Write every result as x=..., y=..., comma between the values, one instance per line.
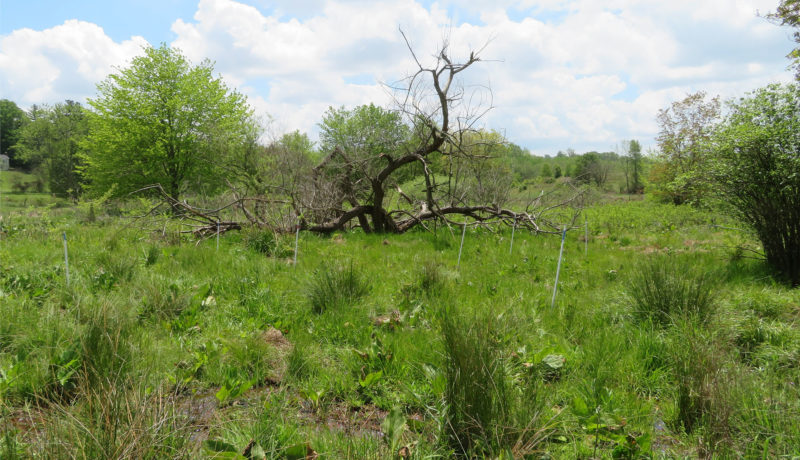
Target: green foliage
x=788, y=14
x=128, y=359
x=158, y=121
x=51, y=141
x=232, y=390
x=665, y=290
x=757, y=159
x=633, y=167
x=362, y=135
x=430, y=278
x=12, y=120
x=336, y=287
x=698, y=366
x=686, y=126
x=477, y=385
x=263, y=241
x=591, y=169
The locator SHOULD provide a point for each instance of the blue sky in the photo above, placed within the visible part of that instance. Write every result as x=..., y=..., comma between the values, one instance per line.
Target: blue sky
x=580, y=74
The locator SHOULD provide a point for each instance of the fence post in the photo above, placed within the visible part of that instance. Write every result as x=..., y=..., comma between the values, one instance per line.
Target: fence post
x=558, y=268
x=513, y=229
x=586, y=237
x=463, y=232
x=296, y=242
x=66, y=256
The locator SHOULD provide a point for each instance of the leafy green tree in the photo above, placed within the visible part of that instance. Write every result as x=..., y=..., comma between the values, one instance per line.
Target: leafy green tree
x=557, y=172
x=591, y=168
x=546, y=171
x=788, y=14
x=12, y=119
x=522, y=163
x=479, y=171
x=633, y=166
x=757, y=171
x=683, y=142
x=51, y=142
x=300, y=143
x=358, y=144
x=163, y=120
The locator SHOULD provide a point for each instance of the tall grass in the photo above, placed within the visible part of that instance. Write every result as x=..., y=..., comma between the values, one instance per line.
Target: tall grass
x=664, y=289
x=477, y=391
x=334, y=287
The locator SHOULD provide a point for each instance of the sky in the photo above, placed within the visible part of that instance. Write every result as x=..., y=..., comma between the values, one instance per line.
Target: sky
x=580, y=74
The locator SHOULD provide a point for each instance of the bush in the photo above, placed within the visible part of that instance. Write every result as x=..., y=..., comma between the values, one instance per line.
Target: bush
x=757, y=159
x=335, y=287
x=664, y=290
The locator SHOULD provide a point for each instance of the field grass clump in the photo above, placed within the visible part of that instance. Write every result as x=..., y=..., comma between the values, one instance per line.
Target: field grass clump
x=263, y=241
x=664, y=289
x=334, y=287
x=699, y=365
x=430, y=278
x=477, y=389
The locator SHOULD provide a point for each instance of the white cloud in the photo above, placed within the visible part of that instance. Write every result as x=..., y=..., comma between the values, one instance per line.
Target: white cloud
x=63, y=62
x=564, y=73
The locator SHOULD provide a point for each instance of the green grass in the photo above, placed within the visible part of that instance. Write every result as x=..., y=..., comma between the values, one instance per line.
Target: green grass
x=377, y=345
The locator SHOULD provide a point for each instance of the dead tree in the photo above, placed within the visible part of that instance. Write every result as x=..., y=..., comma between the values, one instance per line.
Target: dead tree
x=353, y=183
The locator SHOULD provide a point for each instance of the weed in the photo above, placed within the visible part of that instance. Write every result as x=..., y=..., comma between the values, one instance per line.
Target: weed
x=336, y=287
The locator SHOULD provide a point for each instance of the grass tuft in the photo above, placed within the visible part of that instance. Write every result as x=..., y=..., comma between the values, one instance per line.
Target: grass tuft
x=664, y=290
x=336, y=287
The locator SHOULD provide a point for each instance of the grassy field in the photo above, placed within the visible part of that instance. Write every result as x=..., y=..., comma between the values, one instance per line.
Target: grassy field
x=12, y=184
x=667, y=340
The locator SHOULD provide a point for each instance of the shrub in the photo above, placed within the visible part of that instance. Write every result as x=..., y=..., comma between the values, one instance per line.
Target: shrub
x=334, y=287
x=662, y=290
x=757, y=157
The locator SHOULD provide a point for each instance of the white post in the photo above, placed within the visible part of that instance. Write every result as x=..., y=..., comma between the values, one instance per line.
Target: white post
x=586, y=237
x=460, y=248
x=296, y=241
x=558, y=268
x=217, y=235
x=513, y=229
x=66, y=257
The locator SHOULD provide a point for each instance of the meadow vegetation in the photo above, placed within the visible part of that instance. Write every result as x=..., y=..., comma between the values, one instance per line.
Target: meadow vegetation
x=667, y=341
